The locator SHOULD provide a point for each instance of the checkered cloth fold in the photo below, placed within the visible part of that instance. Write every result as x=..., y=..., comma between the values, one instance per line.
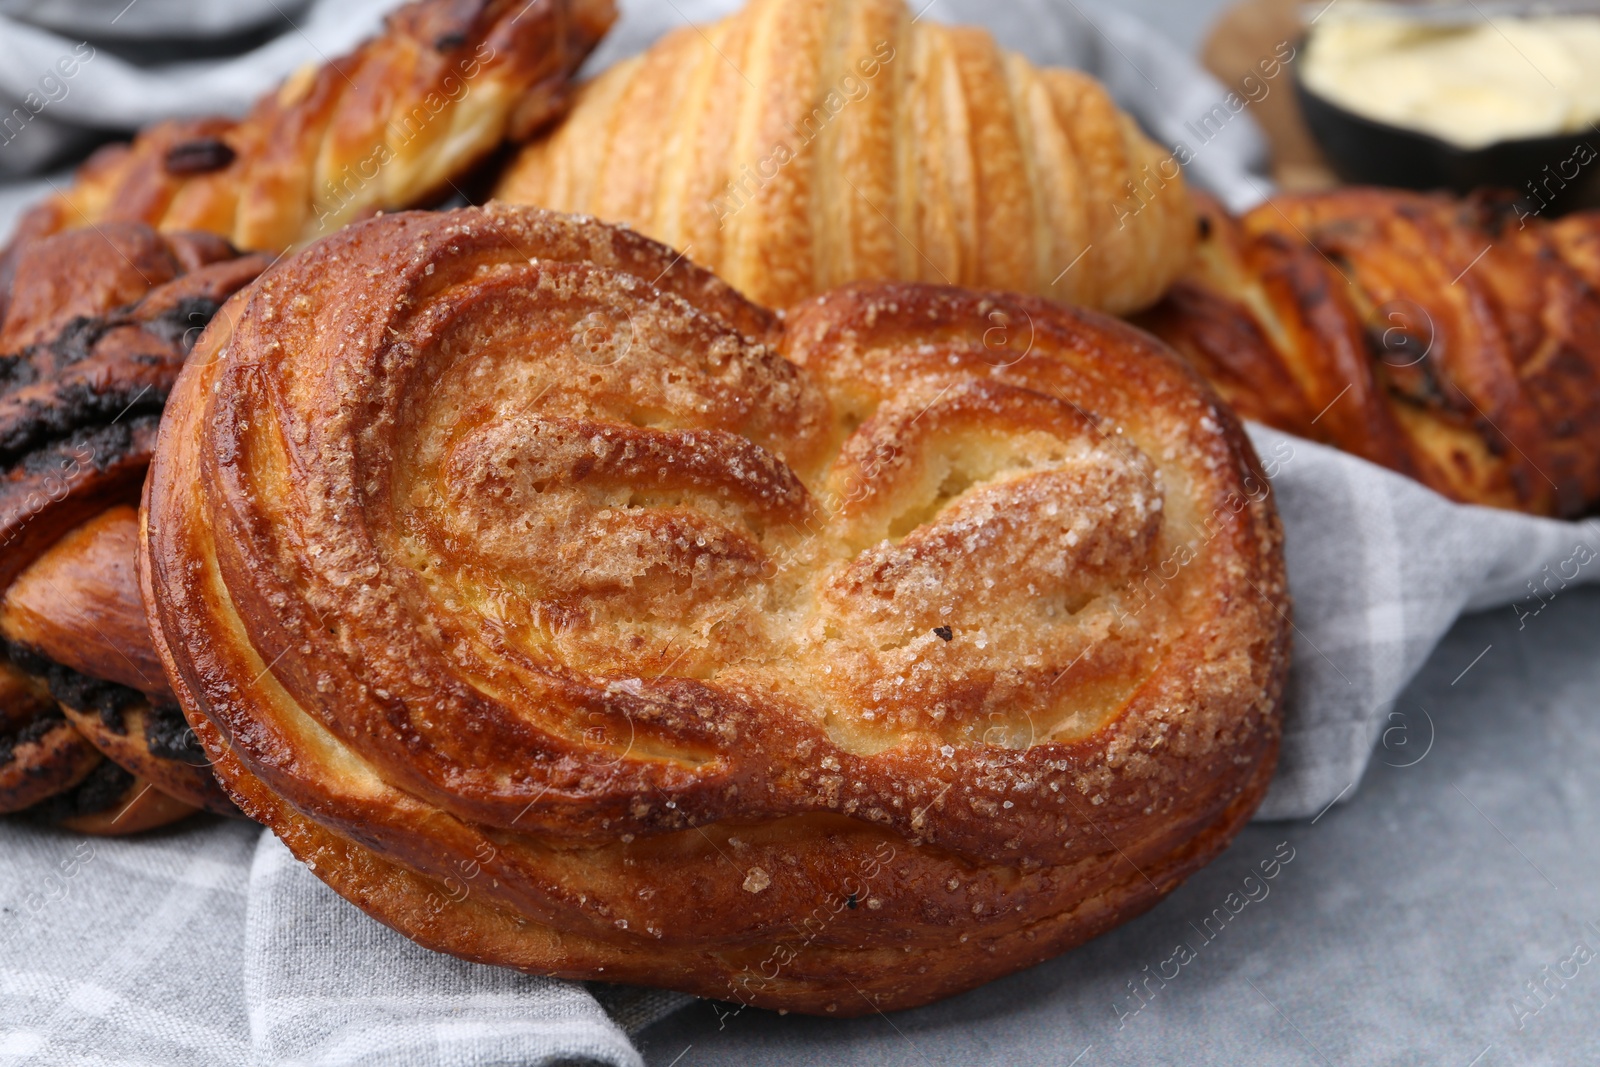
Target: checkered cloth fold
x=1380, y=567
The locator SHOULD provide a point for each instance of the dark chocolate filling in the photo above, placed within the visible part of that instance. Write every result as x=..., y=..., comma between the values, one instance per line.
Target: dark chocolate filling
x=174, y=325
x=80, y=406
x=73, y=409
x=14, y=371
x=76, y=340
x=102, y=447
x=199, y=156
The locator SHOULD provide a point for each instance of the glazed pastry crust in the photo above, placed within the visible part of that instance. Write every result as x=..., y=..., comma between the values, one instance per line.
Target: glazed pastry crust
x=79, y=607
x=801, y=144
x=97, y=324
x=1446, y=339
x=387, y=126
x=566, y=611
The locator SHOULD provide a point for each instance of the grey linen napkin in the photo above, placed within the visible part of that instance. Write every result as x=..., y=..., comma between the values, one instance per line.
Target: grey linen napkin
x=208, y=944
x=1380, y=568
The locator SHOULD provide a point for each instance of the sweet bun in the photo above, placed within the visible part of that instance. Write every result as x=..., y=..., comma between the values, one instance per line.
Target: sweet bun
x=566, y=611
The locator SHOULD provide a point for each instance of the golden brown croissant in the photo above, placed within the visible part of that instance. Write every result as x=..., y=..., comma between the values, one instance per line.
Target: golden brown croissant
x=1447, y=339
x=801, y=144
x=98, y=324
x=565, y=611
x=386, y=127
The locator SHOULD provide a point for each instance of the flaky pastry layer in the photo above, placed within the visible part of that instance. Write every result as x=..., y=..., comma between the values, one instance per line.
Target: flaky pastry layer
x=802, y=144
x=397, y=121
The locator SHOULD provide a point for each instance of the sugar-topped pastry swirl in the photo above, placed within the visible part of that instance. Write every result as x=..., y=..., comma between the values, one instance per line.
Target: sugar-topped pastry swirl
x=567, y=611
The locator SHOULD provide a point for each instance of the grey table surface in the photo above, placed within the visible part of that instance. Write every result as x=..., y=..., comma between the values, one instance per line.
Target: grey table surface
x=1404, y=929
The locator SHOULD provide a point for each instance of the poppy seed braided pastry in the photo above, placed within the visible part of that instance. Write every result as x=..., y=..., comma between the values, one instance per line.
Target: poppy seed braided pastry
x=566, y=611
x=97, y=321
x=97, y=324
x=75, y=620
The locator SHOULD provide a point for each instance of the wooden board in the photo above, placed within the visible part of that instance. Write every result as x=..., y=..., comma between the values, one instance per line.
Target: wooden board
x=1242, y=36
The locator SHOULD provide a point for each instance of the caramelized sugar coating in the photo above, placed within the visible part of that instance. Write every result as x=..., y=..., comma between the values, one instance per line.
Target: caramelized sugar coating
x=567, y=612
x=1450, y=340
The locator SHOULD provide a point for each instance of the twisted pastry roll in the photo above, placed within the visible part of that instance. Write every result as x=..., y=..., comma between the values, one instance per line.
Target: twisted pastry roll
x=93, y=688
x=801, y=144
x=41, y=754
x=386, y=127
x=1447, y=339
x=565, y=611
x=75, y=619
x=98, y=324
